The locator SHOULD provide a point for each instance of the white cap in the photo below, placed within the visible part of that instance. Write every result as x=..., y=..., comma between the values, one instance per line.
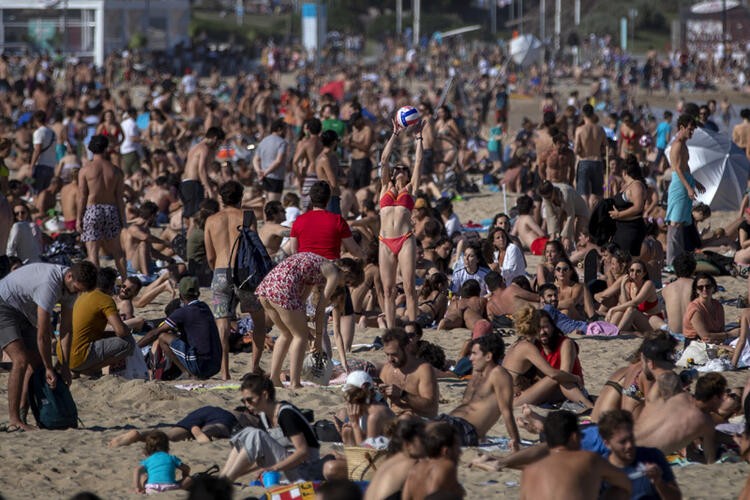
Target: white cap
x=357, y=379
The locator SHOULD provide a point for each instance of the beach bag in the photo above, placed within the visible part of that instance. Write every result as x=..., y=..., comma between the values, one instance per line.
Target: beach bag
x=601, y=226
x=362, y=462
x=135, y=366
x=697, y=354
x=297, y=491
x=52, y=408
x=317, y=368
x=253, y=262
x=326, y=431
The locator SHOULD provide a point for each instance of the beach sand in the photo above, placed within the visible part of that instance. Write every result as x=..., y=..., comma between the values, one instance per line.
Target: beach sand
x=58, y=464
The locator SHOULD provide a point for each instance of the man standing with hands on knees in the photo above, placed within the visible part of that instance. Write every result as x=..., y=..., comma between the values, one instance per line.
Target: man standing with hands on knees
x=27, y=298
x=682, y=190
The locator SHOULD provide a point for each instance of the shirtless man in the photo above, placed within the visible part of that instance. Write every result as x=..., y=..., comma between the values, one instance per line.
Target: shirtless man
x=542, y=138
x=304, y=157
x=101, y=209
x=137, y=241
x=465, y=311
x=678, y=294
x=47, y=198
x=220, y=233
x=526, y=228
x=505, y=300
x=488, y=395
x=428, y=140
x=327, y=168
x=559, y=165
x=683, y=189
x=673, y=424
x=590, y=141
x=195, y=182
x=69, y=201
x=567, y=472
x=741, y=132
x=272, y=232
x=409, y=384
x=162, y=196
x=438, y=471
x=389, y=478
x=359, y=142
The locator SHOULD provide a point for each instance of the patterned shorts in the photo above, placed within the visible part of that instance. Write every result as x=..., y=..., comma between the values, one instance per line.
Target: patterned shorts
x=225, y=297
x=101, y=222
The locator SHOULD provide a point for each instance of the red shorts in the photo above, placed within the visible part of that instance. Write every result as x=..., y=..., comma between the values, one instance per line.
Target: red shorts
x=70, y=225
x=537, y=246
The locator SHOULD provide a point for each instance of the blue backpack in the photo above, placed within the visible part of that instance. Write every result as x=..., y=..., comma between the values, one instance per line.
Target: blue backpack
x=253, y=262
x=52, y=408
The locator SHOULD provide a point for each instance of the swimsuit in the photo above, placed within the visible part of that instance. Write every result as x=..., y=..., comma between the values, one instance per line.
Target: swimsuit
x=101, y=222
x=466, y=431
x=403, y=199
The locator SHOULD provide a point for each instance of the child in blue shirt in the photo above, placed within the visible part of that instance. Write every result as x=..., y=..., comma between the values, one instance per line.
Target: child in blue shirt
x=157, y=473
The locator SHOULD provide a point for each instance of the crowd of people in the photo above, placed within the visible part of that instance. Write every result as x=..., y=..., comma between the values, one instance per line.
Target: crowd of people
x=107, y=205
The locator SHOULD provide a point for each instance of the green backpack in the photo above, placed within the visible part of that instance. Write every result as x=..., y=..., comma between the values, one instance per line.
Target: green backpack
x=53, y=409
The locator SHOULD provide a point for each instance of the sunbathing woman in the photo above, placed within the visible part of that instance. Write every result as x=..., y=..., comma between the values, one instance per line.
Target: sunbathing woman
x=433, y=300
x=534, y=380
x=628, y=387
x=638, y=308
x=545, y=271
x=570, y=290
x=398, y=251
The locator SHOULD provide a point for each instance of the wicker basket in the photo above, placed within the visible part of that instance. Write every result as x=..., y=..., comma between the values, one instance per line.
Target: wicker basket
x=361, y=462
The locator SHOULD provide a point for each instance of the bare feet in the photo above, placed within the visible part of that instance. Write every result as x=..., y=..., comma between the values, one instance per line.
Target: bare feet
x=199, y=435
x=486, y=462
x=529, y=420
x=129, y=437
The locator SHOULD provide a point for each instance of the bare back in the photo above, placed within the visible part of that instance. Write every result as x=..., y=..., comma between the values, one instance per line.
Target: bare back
x=103, y=181
x=390, y=477
x=197, y=159
x=563, y=475
x=676, y=298
x=672, y=424
x=219, y=234
x=589, y=140
x=69, y=201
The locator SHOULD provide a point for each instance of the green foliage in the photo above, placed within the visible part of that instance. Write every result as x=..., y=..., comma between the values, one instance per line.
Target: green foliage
x=138, y=40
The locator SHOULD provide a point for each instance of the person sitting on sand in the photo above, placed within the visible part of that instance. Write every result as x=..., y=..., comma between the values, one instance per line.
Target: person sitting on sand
x=409, y=384
x=504, y=299
x=189, y=336
x=649, y=472
x=526, y=229
x=671, y=425
x=438, y=471
x=638, y=307
x=156, y=473
x=524, y=362
x=365, y=416
x=284, y=442
x=105, y=282
x=405, y=447
x=204, y=425
x=549, y=302
x=677, y=294
x=568, y=472
x=704, y=315
x=629, y=386
x=488, y=395
x=466, y=310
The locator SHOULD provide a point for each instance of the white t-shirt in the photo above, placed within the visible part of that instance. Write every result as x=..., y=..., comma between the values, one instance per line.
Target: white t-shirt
x=129, y=130
x=189, y=84
x=46, y=137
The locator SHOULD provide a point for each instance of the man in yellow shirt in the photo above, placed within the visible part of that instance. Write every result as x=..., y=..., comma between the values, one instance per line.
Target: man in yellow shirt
x=90, y=348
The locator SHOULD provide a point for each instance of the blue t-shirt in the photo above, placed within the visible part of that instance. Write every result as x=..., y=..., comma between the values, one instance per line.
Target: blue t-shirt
x=161, y=468
x=642, y=487
x=493, y=144
x=662, y=133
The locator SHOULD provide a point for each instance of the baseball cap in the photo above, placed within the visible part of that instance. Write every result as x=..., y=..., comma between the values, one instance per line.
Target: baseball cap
x=189, y=287
x=357, y=380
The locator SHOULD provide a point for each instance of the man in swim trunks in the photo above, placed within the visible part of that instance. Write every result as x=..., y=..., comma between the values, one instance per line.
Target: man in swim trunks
x=195, y=182
x=683, y=189
x=220, y=233
x=488, y=395
x=359, y=141
x=101, y=207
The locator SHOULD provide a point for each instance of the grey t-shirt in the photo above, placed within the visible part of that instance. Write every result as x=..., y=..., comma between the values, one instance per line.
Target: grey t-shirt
x=268, y=150
x=36, y=284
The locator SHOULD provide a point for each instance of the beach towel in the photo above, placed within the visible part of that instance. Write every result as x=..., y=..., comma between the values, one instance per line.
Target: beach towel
x=744, y=360
x=602, y=329
x=297, y=491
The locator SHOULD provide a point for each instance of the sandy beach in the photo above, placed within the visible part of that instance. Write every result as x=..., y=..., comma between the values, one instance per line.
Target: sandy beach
x=58, y=464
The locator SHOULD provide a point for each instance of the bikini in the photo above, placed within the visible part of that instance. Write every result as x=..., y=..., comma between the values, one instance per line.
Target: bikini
x=402, y=199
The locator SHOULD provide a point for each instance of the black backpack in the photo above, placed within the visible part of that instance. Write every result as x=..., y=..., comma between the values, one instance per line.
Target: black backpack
x=52, y=408
x=253, y=262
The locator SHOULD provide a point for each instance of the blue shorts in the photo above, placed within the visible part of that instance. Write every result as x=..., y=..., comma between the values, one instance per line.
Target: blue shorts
x=189, y=360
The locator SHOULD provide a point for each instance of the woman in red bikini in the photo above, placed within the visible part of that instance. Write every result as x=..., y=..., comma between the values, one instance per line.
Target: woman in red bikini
x=398, y=250
x=109, y=128
x=638, y=309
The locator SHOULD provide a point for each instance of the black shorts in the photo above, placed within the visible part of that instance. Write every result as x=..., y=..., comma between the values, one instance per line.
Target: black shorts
x=359, y=173
x=273, y=185
x=191, y=195
x=428, y=162
x=209, y=415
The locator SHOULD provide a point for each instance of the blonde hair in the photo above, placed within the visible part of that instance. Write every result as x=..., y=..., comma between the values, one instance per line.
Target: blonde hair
x=526, y=321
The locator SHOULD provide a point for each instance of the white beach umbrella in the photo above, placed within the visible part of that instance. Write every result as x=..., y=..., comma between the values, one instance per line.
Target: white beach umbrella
x=721, y=166
x=525, y=49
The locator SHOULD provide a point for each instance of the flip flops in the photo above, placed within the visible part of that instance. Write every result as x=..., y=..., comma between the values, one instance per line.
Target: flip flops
x=11, y=428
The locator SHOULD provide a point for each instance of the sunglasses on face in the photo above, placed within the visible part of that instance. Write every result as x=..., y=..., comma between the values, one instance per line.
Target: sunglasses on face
x=562, y=269
x=402, y=169
x=19, y=214
x=704, y=287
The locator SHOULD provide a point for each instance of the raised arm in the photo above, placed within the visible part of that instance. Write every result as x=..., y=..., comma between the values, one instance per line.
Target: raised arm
x=385, y=169
x=416, y=174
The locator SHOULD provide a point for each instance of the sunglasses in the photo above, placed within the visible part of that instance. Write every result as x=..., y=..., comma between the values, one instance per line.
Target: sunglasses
x=403, y=169
x=20, y=214
x=704, y=287
x=562, y=269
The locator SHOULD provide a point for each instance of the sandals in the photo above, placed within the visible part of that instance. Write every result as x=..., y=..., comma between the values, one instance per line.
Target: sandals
x=11, y=428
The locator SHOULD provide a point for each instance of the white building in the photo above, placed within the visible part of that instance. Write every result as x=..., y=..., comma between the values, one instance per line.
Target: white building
x=91, y=29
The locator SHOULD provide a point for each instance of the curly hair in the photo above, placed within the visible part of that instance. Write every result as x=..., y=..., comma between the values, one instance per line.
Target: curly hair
x=526, y=321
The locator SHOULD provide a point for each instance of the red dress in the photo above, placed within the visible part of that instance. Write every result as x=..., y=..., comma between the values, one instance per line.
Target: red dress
x=286, y=282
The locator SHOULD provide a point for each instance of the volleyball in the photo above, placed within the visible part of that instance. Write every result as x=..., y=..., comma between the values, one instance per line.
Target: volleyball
x=407, y=116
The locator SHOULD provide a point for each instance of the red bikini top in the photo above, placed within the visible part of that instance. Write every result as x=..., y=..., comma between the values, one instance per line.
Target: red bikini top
x=403, y=199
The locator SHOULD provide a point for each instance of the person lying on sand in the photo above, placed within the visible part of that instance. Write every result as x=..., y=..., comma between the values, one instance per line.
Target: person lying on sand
x=204, y=425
